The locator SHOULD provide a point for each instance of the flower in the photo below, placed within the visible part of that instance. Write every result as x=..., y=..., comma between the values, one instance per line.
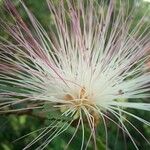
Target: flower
x=90, y=67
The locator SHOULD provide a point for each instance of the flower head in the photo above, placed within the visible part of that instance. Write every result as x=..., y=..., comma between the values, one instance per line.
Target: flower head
x=90, y=67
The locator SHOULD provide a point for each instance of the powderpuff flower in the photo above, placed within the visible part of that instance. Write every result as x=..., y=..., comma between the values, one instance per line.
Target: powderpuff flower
x=90, y=67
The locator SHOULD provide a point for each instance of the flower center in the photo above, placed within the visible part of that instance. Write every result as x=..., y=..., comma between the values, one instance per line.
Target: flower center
x=83, y=100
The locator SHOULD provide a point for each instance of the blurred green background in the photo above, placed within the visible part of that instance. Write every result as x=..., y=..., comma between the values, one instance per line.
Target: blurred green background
x=13, y=127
